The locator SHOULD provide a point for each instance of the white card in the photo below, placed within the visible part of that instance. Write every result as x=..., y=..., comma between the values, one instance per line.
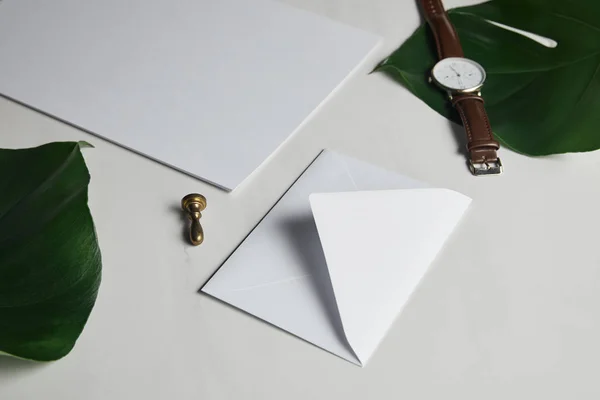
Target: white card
x=337, y=258
x=209, y=87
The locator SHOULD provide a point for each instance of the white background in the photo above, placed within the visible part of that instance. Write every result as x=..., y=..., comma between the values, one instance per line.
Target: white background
x=510, y=309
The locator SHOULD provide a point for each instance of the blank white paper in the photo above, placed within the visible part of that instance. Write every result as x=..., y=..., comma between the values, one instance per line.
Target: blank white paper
x=209, y=87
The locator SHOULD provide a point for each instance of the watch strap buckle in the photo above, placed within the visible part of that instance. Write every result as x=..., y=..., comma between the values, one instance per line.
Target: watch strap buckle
x=486, y=167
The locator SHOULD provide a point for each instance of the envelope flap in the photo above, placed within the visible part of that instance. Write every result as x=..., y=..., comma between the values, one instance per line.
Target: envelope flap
x=378, y=245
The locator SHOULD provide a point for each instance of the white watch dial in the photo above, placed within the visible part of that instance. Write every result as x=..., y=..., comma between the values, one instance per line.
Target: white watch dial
x=458, y=74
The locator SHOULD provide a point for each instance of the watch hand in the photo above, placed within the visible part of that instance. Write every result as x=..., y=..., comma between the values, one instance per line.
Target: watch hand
x=455, y=71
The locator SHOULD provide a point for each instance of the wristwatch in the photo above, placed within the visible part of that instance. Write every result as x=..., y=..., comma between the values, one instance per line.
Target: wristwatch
x=462, y=79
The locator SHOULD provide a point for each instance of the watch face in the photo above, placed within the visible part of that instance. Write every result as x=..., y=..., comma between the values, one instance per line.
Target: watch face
x=458, y=74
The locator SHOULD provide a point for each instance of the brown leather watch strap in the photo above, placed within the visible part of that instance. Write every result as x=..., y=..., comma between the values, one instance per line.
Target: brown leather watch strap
x=446, y=38
x=481, y=144
x=480, y=140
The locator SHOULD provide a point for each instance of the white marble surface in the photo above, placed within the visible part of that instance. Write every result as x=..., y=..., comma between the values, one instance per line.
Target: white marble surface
x=510, y=309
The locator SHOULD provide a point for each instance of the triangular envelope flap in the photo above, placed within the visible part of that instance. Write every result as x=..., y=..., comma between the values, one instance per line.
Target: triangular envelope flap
x=378, y=245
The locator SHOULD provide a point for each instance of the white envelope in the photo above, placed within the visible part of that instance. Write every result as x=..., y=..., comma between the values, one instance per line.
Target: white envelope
x=339, y=255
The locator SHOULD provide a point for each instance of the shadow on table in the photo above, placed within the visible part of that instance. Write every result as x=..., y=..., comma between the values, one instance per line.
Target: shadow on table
x=185, y=221
x=11, y=367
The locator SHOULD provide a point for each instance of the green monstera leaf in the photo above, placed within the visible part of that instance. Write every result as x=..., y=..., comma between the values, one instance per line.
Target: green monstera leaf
x=541, y=100
x=49, y=257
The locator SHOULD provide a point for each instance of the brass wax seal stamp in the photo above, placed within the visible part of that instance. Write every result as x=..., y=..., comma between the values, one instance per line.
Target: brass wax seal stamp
x=193, y=204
